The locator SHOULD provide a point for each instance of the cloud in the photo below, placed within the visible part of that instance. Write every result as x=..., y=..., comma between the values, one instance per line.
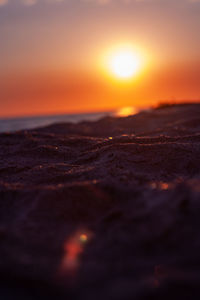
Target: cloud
x=104, y=2
x=3, y=2
x=54, y=1
x=101, y=2
x=98, y=2
x=33, y=2
x=29, y=2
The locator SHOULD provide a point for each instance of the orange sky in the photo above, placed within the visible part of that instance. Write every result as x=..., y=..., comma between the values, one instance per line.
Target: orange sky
x=51, y=54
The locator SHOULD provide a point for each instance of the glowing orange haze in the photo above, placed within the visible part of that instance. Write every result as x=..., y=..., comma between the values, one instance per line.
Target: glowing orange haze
x=60, y=92
x=51, y=51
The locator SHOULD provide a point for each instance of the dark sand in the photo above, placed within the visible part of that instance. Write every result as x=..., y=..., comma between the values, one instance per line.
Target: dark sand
x=85, y=216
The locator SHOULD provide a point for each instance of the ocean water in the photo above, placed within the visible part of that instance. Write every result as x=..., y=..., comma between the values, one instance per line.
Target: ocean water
x=14, y=124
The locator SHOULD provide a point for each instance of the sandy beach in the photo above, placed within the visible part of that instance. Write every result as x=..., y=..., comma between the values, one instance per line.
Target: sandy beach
x=102, y=210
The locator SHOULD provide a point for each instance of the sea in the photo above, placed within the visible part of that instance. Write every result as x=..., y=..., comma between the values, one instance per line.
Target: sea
x=22, y=123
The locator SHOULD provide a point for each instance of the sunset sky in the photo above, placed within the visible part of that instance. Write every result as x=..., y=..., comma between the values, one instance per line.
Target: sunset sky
x=54, y=54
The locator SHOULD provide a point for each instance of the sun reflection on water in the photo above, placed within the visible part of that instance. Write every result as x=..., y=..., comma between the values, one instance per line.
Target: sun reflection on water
x=126, y=111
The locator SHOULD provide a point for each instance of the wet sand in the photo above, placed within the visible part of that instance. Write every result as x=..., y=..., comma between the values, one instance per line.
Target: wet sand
x=102, y=210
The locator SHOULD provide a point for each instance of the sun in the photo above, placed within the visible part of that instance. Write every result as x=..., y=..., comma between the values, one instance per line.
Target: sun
x=124, y=64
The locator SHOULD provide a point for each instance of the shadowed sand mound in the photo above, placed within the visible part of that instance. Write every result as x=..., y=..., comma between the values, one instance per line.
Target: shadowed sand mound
x=102, y=210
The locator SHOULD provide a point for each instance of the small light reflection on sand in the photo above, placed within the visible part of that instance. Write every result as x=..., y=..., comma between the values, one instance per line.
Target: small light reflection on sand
x=159, y=185
x=73, y=247
x=126, y=111
x=83, y=238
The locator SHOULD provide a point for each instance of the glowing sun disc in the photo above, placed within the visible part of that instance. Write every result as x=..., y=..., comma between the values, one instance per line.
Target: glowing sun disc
x=124, y=64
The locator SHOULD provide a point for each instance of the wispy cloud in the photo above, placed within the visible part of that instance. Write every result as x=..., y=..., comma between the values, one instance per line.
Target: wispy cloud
x=132, y=1
x=32, y=2
x=102, y=2
x=29, y=2
x=98, y=2
x=3, y=2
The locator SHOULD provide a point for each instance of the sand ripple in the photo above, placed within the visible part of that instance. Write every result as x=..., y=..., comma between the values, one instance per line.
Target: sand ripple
x=103, y=210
